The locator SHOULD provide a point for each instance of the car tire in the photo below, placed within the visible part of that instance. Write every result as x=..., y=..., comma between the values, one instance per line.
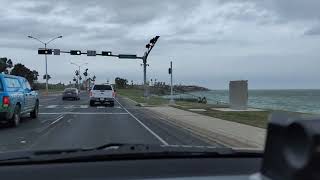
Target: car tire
x=111, y=104
x=91, y=103
x=15, y=120
x=35, y=113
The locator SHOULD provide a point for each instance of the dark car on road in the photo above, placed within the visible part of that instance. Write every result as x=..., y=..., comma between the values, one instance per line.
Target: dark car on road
x=17, y=99
x=71, y=93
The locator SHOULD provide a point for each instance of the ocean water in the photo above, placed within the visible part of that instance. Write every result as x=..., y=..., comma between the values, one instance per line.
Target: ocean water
x=307, y=101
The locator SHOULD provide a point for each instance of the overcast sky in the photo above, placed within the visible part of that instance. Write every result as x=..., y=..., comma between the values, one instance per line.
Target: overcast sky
x=271, y=43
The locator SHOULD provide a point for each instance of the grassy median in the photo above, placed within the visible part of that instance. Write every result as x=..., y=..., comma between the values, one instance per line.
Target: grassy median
x=252, y=118
x=137, y=95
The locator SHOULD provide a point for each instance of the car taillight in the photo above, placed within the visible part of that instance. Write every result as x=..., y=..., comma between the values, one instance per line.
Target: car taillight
x=6, y=101
x=90, y=94
x=113, y=94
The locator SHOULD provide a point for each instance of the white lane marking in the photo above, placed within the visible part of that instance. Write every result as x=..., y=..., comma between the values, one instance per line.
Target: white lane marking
x=69, y=107
x=52, y=106
x=100, y=107
x=147, y=128
x=46, y=120
x=84, y=106
x=56, y=120
x=84, y=113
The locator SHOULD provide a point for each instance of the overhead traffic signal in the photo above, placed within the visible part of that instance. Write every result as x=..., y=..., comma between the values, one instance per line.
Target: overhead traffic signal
x=44, y=51
x=106, y=53
x=75, y=52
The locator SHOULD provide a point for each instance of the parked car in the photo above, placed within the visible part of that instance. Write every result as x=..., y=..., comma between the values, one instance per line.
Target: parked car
x=103, y=94
x=71, y=93
x=17, y=98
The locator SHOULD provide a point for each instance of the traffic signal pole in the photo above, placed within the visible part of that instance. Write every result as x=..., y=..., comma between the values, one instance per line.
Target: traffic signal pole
x=145, y=94
x=171, y=93
x=46, y=62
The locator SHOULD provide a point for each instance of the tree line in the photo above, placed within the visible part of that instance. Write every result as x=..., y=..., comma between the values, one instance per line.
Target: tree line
x=7, y=67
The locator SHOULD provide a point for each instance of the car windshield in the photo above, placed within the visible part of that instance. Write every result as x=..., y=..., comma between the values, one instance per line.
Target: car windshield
x=102, y=87
x=183, y=73
x=70, y=90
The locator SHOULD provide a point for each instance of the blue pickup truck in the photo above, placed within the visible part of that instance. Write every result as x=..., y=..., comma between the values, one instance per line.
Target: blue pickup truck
x=17, y=98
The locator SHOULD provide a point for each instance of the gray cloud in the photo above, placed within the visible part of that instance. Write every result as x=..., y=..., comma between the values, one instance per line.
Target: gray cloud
x=212, y=34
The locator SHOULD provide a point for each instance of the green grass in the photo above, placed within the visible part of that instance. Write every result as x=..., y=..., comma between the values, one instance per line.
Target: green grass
x=256, y=118
x=137, y=95
x=253, y=118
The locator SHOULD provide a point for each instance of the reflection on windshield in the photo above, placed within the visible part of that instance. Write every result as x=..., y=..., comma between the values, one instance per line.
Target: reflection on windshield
x=193, y=74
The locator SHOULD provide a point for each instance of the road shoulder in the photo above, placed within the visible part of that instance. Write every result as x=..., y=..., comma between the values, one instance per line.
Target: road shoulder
x=228, y=133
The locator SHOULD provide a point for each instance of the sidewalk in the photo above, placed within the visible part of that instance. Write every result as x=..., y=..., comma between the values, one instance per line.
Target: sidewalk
x=228, y=133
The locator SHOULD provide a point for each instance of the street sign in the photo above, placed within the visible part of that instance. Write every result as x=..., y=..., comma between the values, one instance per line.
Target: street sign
x=56, y=52
x=106, y=53
x=127, y=56
x=75, y=52
x=91, y=53
x=44, y=51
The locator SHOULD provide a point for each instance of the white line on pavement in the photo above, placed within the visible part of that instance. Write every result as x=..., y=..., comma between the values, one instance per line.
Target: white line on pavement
x=69, y=107
x=56, y=120
x=153, y=133
x=52, y=106
x=100, y=107
x=81, y=113
x=84, y=106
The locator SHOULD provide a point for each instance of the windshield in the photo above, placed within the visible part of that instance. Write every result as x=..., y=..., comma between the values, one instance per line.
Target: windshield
x=102, y=87
x=170, y=73
x=70, y=90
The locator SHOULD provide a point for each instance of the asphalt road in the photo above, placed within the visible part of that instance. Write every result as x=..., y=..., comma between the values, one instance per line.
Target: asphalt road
x=74, y=124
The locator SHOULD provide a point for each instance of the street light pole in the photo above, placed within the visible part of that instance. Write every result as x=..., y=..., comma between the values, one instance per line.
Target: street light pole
x=171, y=96
x=46, y=61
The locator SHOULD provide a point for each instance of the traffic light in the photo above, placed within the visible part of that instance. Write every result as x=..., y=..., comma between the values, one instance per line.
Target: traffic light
x=106, y=53
x=75, y=52
x=77, y=72
x=44, y=51
x=170, y=70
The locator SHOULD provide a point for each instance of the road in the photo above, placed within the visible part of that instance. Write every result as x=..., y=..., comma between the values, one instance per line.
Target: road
x=74, y=124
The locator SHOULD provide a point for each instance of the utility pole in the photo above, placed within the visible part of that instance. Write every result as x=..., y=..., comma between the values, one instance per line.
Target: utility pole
x=171, y=93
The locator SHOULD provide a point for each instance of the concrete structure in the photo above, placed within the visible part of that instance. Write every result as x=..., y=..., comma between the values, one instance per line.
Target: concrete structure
x=238, y=94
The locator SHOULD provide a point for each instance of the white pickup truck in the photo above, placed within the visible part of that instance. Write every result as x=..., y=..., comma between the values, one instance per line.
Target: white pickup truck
x=103, y=94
